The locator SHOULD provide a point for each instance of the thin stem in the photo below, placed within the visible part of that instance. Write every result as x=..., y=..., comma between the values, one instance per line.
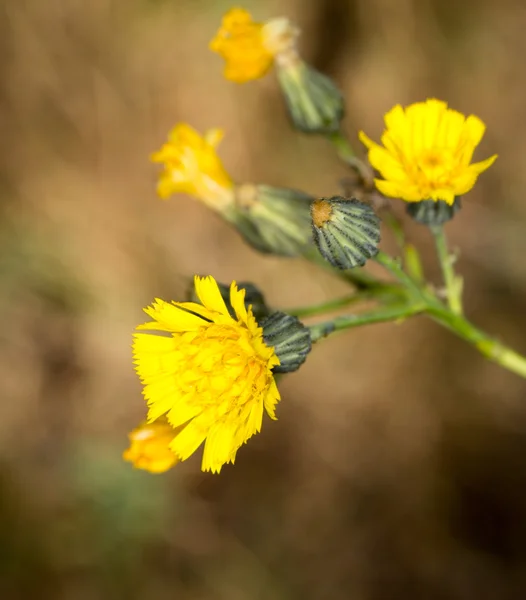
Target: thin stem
x=484, y=343
x=332, y=305
x=413, y=264
x=346, y=153
x=358, y=277
x=389, y=313
x=392, y=221
x=343, y=146
x=453, y=283
x=392, y=265
x=458, y=324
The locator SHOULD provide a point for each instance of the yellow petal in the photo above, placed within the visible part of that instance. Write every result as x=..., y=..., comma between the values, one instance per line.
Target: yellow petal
x=366, y=140
x=237, y=300
x=213, y=137
x=184, y=134
x=194, y=307
x=182, y=412
x=219, y=447
x=148, y=343
x=434, y=112
x=271, y=399
x=450, y=131
x=171, y=318
x=191, y=437
x=395, y=120
x=254, y=421
x=388, y=165
x=446, y=195
x=236, y=17
x=416, y=118
x=475, y=129
x=394, y=189
x=481, y=166
x=208, y=293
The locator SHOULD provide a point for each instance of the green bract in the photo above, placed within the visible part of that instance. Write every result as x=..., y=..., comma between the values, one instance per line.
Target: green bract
x=347, y=232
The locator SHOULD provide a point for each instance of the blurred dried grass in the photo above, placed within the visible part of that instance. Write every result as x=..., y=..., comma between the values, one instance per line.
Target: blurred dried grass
x=396, y=467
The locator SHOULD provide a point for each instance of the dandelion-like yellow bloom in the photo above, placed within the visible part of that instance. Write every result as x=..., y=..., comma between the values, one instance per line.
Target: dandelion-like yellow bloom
x=426, y=153
x=191, y=166
x=249, y=48
x=209, y=373
x=150, y=447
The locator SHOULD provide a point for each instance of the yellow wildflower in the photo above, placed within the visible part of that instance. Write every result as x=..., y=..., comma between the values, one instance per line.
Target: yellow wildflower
x=426, y=153
x=208, y=372
x=150, y=447
x=191, y=166
x=250, y=48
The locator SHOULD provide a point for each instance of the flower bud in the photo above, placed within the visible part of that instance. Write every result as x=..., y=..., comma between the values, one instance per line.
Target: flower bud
x=314, y=103
x=273, y=220
x=290, y=339
x=433, y=212
x=150, y=447
x=346, y=231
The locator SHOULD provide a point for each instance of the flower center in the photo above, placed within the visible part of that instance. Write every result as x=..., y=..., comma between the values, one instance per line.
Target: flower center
x=433, y=169
x=222, y=371
x=431, y=159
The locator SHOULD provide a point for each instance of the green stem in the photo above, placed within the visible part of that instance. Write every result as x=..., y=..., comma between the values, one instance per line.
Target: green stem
x=346, y=153
x=343, y=146
x=393, y=266
x=358, y=277
x=389, y=313
x=421, y=300
x=330, y=305
x=395, y=226
x=439, y=312
x=484, y=343
x=383, y=292
x=452, y=282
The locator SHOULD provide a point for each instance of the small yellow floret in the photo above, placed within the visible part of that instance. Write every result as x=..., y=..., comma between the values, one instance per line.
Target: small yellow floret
x=150, y=447
x=249, y=48
x=191, y=166
x=209, y=373
x=426, y=152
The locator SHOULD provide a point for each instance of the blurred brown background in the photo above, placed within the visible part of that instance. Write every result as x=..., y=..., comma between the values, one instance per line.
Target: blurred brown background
x=397, y=466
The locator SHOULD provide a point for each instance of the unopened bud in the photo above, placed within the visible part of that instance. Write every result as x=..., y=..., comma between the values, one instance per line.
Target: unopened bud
x=346, y=231
x=273, y=220
x=314, y=103
x=290, y=339
x=433, y=212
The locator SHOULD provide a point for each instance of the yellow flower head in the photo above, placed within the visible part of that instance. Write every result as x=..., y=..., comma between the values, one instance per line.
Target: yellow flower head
x=249, y=48
x=426, y=153
x=191, y=166
x=209, y=373
x=150, y=447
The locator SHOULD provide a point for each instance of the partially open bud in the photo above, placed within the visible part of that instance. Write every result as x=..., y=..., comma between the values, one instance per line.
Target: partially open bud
x=290, y=338
x=314, y=103
x=150, y=447
x=250, y=49
x=192, y=166
x=273, y=220
x=433, y=212
x=346, y=231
